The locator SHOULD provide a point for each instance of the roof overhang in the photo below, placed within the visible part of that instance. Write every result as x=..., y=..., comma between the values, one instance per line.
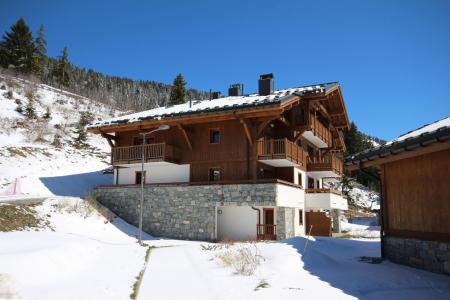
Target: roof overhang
x=201, y=117
x=424, y=144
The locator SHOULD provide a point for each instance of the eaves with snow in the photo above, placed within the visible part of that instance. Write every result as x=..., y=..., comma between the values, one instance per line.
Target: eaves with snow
x=436, y=132
x=232, y=103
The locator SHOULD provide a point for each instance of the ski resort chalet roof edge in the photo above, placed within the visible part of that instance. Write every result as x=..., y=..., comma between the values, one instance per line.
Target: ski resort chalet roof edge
x=436, y=132
x=230, y=103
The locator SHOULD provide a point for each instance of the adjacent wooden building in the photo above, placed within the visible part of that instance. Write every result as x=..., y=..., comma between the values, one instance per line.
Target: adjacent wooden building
x=415, y=185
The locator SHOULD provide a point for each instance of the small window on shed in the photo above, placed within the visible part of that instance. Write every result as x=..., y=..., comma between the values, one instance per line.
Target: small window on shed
x=214, y=174
x=300, y=217
x=214, y=136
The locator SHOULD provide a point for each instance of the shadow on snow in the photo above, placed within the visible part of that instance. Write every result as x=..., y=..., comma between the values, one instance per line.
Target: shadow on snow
x=76, y=185
x=337, y=261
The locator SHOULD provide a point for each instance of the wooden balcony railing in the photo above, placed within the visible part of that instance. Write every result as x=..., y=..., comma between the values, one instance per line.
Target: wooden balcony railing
x=321, y=191
x=327, y=163
x=152, y=152
x=266, y=231
x=320, y=130
x=281, y=149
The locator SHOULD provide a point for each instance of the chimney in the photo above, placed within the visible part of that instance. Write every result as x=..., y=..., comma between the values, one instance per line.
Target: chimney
x=265, y=84
x=215, y=95
x=236, y=89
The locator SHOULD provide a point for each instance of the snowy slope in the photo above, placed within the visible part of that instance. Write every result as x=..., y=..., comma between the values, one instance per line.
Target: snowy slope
x=78, y=256
x=361, y=195
x=26, y=150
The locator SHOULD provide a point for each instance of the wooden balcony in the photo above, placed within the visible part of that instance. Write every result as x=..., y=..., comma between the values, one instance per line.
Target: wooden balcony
x=317, y=133
x=328, y=166
x=266, y=232
x=281, y=153
x=152, y=152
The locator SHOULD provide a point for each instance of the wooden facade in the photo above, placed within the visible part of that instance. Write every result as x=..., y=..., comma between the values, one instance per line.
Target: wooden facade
x=247, y=139
x=416, y=196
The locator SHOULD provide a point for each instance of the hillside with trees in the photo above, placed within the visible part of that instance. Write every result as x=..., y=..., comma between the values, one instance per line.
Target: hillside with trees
x=22, y=55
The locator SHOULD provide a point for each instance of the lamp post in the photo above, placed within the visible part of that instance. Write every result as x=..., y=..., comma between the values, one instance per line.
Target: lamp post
x=141, y=210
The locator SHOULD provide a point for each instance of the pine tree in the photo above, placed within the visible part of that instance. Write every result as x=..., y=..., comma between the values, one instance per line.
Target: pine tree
x=62, y=69
x=178, y=94
x=40, y=53
x=30, y=111
x=17, y=48
x=80, y=140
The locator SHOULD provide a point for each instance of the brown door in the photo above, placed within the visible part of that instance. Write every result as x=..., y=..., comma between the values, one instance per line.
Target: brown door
x=269, y=222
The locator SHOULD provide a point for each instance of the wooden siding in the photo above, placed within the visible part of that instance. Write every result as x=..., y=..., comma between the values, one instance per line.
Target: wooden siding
x=416, y=196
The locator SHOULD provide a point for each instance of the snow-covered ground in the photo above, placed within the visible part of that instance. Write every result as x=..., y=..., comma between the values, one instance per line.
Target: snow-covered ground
x=329, y=269
x=26, y=151
x=79, y=256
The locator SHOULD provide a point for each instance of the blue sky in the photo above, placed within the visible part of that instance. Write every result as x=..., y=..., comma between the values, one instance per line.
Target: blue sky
x=392, y=58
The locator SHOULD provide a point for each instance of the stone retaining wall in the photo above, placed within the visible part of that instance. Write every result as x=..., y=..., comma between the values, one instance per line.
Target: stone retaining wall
x=429, y=255
x=183, y=211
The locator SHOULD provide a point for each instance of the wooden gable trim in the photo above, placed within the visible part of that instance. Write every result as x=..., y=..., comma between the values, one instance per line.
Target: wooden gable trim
x=185, y=135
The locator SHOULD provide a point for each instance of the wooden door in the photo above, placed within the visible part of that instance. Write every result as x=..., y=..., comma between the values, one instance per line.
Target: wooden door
x=269, y=222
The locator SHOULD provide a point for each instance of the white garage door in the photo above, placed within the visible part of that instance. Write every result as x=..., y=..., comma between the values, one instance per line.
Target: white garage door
x=236, y=223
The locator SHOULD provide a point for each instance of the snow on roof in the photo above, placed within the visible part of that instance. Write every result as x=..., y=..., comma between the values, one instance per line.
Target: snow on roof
x=226, y=103
x=425, y=135
x=422, y=130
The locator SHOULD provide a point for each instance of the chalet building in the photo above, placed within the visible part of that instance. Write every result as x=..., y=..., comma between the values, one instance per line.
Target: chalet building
x=415, y=192
x=236, y=167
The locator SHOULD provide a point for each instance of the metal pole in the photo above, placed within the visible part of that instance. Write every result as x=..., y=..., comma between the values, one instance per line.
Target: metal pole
x=141, y=208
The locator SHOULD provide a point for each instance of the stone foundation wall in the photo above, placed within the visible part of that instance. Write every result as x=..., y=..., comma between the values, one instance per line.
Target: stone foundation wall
x=429, y=255
x=182, y=211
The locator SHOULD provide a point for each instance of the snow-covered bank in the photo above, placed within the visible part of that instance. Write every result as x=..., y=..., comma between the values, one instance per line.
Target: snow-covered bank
x=79, y=256
x=29, y=157
x=330, y=269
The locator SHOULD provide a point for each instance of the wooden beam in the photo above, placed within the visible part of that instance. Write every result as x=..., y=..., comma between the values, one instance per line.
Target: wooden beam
x=247, y=131
x=186, y=137
x=110, y=136
x=284, y=121
x=264, y=123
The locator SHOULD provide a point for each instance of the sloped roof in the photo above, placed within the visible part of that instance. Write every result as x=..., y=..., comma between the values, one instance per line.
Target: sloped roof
x=222, y=104
x=426, y=135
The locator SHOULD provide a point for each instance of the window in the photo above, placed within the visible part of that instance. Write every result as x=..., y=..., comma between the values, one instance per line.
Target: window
x=299, y=178
x=317, y=184
x=300, y=217
x=310, y=183
x=138, y=177
x=214, y=136
x=138, y=140
x=214, y=174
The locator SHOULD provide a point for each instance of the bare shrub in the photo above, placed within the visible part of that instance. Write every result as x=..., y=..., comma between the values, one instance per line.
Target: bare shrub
x=86, y=208
x=38, y=130
x=244, y=259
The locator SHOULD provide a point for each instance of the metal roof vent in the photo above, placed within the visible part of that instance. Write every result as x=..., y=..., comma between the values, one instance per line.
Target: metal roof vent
x=236, y=89
x=265, y=84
